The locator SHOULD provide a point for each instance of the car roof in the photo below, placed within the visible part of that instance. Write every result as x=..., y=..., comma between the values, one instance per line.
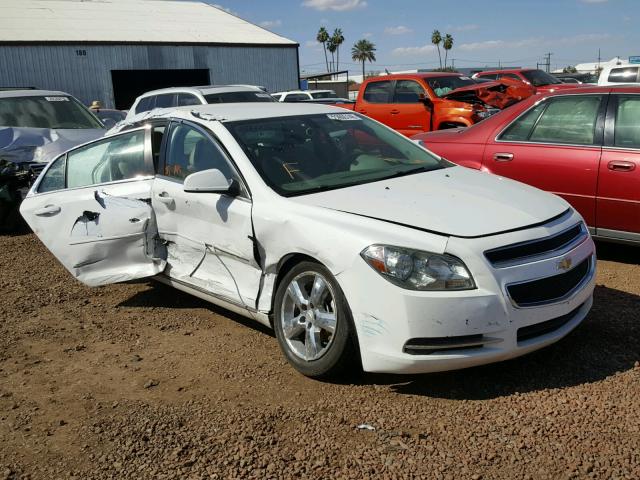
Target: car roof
x=31, y=93
x=511, y=70
x=203, y=90
x=630, y=88
x=395, y=76
x=231, y=112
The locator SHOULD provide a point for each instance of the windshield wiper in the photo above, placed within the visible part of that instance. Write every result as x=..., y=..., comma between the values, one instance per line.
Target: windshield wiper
x=404, y=173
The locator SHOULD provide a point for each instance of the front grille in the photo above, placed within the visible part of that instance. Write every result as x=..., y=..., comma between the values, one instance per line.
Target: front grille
x=519, y=251
x=539, y=329
x=549, y=289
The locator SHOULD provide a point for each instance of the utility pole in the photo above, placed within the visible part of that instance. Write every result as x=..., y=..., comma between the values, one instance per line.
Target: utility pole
x=547, y=62
x=453, y=63
x=599, y=59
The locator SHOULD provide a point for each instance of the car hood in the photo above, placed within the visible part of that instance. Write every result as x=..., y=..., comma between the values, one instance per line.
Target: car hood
x=21, y=145
x=500, y=94
x=452, y=201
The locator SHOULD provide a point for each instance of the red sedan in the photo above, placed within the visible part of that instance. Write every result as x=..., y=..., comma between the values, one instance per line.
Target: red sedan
x=581, y=144
x=539, y=79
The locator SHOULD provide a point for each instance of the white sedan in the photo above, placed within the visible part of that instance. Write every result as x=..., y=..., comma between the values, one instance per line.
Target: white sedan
x=358, y=246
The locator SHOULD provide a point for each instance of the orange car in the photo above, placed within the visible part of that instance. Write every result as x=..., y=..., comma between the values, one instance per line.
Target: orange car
x=422, y=102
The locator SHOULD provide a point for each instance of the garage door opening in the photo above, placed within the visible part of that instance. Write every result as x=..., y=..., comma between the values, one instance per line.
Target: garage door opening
x=129, y=84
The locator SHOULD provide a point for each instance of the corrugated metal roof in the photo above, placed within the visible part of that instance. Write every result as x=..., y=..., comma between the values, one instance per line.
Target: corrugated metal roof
x=124, y=21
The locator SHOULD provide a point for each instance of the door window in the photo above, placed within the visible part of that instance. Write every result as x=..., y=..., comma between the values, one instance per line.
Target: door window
x=407, y=91
x=185, y=99
x=564, y=120
x=490, y=76
x=377, y=92
x=117, y=158
x=192, y=151
x=627, y=129
x=54, y=177
x=624, y=75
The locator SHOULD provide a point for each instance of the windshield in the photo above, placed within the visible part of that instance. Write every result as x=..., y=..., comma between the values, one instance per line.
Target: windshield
x=443, y=85
x=304, y=154
x=329, y=94
x=45, y=112
x=238, y=97
x=538, y=78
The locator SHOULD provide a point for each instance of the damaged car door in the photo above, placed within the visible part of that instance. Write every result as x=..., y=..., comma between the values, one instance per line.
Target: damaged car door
x=208, y=232
x=92, y=209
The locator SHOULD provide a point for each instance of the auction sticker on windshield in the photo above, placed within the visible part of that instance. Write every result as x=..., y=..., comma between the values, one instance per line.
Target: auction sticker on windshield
x=56, y=99
x=342, y=117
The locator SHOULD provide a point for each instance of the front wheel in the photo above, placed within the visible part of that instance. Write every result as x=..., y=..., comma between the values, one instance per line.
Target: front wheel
x=313, y=322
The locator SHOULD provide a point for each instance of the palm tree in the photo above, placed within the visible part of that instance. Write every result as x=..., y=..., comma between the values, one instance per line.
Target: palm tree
x=362, y=51
x=337, y=39
x=436, y=38
x=332, y=47
x=323, y=38
x=447, y=44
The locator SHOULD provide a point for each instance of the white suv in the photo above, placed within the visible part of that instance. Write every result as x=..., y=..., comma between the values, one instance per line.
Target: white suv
x=185, y=96
x=302, y=95
x=619, y=74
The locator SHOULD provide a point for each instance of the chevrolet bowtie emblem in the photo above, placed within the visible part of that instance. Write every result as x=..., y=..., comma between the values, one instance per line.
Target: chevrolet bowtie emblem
x=565, y=264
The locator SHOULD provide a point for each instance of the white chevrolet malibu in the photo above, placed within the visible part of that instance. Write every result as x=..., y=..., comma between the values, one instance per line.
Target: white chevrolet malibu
x=358, y=246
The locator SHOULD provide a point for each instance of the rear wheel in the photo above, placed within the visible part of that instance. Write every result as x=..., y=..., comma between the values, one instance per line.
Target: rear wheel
x=313, y=322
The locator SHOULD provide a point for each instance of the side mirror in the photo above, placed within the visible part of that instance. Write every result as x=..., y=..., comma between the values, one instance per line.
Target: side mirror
x=426, y=100
x=210, y=181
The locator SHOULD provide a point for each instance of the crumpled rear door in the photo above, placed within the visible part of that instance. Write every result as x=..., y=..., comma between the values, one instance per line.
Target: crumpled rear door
x=101, y=234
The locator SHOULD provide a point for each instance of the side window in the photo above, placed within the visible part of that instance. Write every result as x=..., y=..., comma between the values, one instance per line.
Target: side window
x=296, y=97
x=377, y=92
x=570, y=120
x=627, y=129
x=166, y=100
x=521, y=128
x=277, y=97
x=512, y=76
x=54, y=178
x=489, y=76
x=191, y=151
x=185, y=99
x=145, y=104
x=113, y=159
x=623, y=75
x=407, y=91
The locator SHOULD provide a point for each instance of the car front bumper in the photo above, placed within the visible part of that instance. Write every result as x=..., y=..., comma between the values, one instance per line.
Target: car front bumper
x=482, y=325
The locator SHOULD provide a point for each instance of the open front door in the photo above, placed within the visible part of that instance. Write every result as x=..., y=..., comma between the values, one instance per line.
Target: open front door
x=91, y=208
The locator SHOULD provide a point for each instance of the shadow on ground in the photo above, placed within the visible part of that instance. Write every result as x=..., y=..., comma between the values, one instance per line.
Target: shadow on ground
x=607, y=342
x=616, y=252
x=163, y=296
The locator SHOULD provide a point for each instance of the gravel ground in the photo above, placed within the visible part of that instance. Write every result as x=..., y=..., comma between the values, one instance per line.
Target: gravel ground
x=141, y=381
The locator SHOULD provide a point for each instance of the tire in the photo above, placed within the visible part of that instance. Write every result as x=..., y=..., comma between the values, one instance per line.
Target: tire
x=303, y=328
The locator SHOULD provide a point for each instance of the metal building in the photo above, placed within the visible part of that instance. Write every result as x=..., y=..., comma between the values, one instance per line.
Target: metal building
x=114, y=50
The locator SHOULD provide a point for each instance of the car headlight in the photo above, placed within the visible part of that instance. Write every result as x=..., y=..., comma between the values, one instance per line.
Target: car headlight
x=418, y=270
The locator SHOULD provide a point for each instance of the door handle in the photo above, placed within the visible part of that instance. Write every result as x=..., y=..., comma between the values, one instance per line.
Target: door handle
x=503, y=157
x=621, y=166
x=394, y=112
x=48, y=211
x=165, y=198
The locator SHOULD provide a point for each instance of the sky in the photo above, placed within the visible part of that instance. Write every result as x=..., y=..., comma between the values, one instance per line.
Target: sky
x=512, y=32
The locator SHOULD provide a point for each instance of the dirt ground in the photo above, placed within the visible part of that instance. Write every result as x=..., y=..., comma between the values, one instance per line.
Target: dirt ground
x=142, y=381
